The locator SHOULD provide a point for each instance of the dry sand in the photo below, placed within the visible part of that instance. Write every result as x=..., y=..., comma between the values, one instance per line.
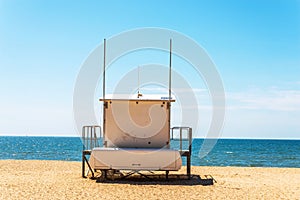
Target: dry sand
x=62, y=180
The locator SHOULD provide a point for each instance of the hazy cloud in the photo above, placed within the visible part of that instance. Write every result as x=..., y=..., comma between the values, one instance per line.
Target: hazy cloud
x=270, y=99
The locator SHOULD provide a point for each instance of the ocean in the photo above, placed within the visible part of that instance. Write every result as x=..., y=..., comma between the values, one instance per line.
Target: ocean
x=227, y=152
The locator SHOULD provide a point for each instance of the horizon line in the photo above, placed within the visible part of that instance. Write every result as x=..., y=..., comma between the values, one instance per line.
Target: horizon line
x=222, y=138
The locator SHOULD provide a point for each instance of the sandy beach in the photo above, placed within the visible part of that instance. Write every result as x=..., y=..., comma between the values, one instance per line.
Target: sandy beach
x=22, y=179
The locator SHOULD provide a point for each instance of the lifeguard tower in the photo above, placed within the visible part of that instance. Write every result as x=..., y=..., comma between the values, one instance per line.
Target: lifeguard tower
x=137, y=135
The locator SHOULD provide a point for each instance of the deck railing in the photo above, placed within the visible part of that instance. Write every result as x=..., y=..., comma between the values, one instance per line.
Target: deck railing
x=185, y=134
x=91, y=136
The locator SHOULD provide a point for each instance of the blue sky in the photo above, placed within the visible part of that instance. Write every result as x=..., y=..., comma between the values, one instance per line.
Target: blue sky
x=254, y=44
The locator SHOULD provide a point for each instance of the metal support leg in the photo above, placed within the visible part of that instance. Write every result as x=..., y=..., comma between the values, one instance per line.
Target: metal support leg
x=105, y=174
x=83, y=166
x=167, y=175
x=84, y=160
x=188, y=166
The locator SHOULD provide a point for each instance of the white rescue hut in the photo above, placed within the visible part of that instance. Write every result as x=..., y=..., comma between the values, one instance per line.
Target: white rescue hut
x=136, y=135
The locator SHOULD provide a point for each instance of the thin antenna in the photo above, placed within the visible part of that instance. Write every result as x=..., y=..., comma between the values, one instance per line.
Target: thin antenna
x=103, y=87
x=138, y=80
x=139, y=94
x=169, y=102
x=170, y=70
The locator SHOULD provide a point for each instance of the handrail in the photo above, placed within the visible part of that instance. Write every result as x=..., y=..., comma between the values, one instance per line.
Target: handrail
x=189, y=136
x=89, y=136
x=187, y=153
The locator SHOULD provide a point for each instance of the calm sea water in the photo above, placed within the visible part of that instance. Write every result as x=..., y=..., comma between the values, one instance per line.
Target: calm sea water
x=227, y=152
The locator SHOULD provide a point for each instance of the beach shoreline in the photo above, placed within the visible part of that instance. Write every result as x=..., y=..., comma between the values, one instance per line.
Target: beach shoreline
x=41, y=179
